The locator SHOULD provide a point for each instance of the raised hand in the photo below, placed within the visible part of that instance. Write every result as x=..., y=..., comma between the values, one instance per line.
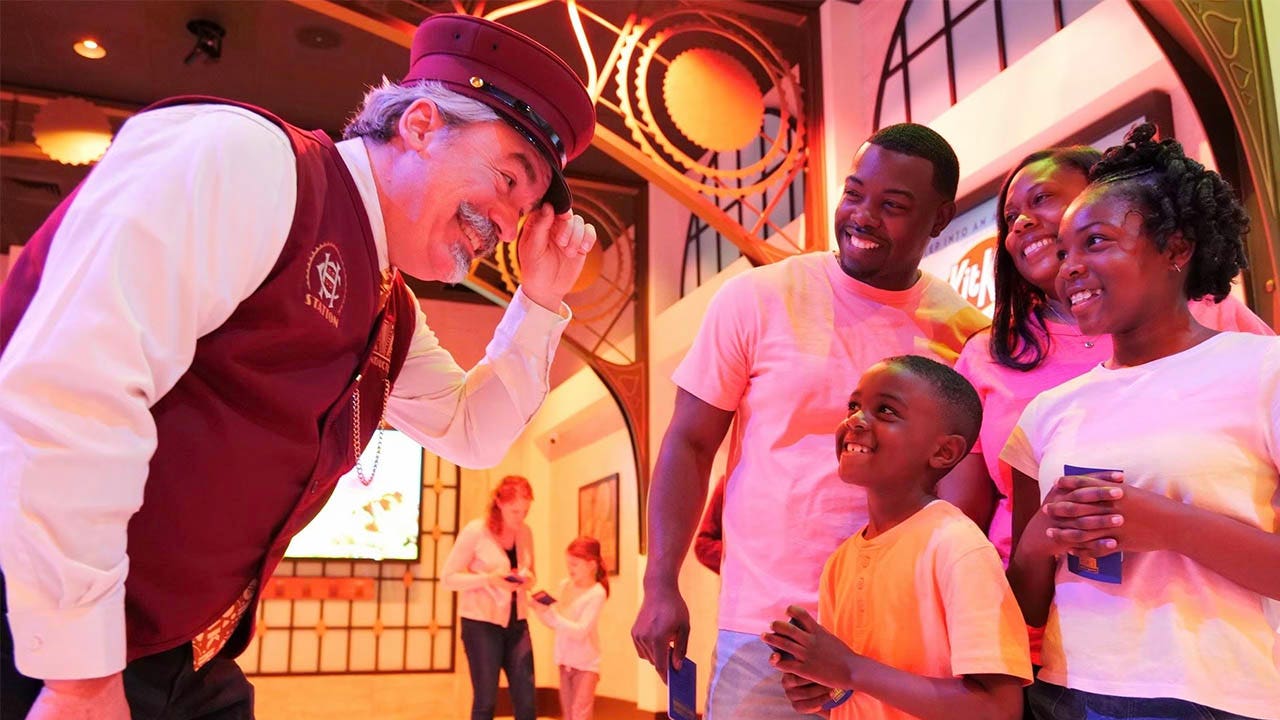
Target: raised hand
x=551, y=250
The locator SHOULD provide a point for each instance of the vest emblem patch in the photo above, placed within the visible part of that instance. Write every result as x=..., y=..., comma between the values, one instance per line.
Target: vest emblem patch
x=326, y=282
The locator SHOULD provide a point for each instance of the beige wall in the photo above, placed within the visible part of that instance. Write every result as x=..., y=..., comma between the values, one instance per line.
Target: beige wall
x=1092, y=67
x=591, y=443
x=855, y=39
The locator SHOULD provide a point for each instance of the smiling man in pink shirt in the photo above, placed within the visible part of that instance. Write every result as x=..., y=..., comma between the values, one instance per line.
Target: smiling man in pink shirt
x=774, y=358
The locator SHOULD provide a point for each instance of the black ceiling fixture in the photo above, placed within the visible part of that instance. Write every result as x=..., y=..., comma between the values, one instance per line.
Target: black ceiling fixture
x=209, y=36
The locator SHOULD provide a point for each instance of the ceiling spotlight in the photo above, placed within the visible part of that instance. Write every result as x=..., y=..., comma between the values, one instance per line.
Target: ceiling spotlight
x=90, y=48
x=209, y=36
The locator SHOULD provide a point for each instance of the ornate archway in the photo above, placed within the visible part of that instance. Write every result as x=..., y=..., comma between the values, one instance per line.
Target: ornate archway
x=1220, y=53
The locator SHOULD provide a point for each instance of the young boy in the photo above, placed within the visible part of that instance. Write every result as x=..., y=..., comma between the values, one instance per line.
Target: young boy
x=919, y=620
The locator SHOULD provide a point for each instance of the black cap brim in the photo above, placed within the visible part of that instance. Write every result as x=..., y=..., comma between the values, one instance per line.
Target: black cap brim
x=558, y=193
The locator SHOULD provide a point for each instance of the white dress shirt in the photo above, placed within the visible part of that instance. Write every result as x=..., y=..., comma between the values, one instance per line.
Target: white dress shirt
x=182, y=219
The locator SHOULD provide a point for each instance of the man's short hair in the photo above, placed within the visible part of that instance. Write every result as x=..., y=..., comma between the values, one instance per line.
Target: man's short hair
x=379, y=114
x=922, y=142
x=959, y=402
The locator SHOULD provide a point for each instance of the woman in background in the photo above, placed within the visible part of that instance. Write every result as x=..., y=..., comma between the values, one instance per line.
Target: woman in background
x=491, y=567
x=574, y=615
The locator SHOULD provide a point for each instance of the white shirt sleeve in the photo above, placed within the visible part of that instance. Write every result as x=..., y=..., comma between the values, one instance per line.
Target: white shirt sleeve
x=580, y=629
x=471, y=417
x=456, y=575
x=182, y=219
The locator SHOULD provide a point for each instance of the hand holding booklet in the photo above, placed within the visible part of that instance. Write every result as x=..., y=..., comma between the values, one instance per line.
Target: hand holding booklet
x=1108, y=568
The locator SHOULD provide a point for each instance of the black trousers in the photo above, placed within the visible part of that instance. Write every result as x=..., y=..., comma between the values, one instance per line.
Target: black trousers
x=492, y=648
x=158, y=687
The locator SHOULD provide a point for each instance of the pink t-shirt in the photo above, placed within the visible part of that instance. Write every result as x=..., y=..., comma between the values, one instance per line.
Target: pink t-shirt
x=782, y=346
x=1005, y=392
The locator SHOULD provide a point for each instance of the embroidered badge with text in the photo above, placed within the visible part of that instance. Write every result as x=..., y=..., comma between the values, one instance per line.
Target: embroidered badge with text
x=326, y=282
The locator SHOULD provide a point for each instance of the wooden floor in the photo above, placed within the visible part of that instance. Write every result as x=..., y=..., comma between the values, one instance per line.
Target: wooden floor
x=385, y=697
x=342, y=697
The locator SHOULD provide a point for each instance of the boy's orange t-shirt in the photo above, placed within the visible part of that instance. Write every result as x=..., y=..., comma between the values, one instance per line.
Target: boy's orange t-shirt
x=928, y=597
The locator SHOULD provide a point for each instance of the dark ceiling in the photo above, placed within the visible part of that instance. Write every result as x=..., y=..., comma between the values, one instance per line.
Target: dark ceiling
x=297, y=61
x=269, y=53
x=263, y=61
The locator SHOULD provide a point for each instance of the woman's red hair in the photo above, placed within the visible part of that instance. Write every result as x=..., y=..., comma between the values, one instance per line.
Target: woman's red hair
x=511, y=488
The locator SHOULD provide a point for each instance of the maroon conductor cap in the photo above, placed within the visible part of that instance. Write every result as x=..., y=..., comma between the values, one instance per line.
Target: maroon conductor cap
x=529, y=87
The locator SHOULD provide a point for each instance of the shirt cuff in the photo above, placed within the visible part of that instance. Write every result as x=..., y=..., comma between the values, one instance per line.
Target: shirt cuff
x=71, y=643
x=561, y=313
x=532, y=326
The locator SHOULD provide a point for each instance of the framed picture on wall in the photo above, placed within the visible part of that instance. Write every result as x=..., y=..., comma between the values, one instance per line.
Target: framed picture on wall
x=598, y=517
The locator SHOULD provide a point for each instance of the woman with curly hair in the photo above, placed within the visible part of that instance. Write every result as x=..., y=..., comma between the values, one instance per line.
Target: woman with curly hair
x=1158, y=469
x=1034, y=342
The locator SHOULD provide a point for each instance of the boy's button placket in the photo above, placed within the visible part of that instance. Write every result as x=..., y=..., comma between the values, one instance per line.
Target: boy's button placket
x=861, y=585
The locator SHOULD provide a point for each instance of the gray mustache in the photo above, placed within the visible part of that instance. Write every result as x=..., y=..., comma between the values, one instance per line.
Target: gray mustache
x=480, y=224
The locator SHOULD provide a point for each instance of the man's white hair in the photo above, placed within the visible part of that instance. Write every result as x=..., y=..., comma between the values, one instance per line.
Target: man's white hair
x=379, y=114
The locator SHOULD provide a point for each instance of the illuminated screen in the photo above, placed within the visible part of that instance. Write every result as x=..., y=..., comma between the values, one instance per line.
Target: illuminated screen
x=378, y=521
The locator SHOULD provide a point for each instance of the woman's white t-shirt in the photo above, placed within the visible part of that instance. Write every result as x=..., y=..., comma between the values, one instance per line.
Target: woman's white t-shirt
x=1203, y=427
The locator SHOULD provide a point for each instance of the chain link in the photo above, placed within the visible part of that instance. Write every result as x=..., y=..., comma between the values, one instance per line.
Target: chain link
x=355, y=430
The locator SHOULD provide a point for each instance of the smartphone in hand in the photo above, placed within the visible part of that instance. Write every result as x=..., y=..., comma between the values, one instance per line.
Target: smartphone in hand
x=835, y=696
x=544, y=598
x=513, y=578
x=783, y=654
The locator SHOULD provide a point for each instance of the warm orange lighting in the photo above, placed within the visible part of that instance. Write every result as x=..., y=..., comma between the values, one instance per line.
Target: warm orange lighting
x=72, y=131
x=591, y=268
x=713, y=99
x=90, y=48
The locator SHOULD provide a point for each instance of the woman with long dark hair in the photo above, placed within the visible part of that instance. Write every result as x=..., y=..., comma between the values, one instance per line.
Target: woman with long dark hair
x=574, y=615
x=491, y=568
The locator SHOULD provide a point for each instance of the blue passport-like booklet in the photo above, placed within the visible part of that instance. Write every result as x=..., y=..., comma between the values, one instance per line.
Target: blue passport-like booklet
x=682, y=690
x=1108, y=568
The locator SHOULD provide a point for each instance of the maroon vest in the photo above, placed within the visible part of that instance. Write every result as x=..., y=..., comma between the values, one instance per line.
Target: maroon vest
x=256, y=433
